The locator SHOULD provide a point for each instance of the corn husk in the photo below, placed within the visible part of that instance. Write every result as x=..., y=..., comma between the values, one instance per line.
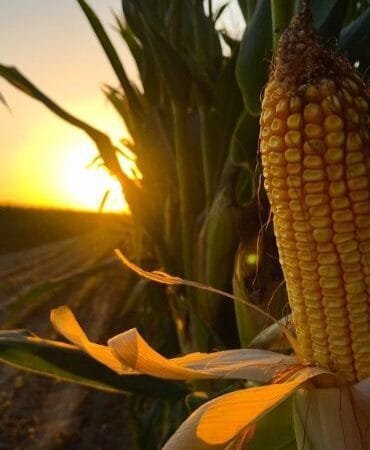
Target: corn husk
x=335, y=418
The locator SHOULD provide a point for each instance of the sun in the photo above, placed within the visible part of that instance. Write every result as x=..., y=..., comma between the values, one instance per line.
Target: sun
x=88, y=184
x=56, y=166
x=60, y=168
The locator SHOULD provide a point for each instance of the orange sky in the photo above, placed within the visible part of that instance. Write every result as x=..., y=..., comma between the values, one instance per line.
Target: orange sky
x=42, y=159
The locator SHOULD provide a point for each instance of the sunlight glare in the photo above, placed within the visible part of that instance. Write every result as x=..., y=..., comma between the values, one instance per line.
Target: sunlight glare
x=86, y=184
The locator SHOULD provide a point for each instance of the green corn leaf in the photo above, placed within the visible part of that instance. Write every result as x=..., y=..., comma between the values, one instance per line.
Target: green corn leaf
x=281, y=13
x=135, y=296
x=131, y=12
x=112, y=55
x=132, y=41
x=245, y=267
x=244, y=141
x=354, y=41
x=121, y=105
x=243, y=8
x=229, y=106
x=206, y=41
x=272, y=338
x=354, y=9
x=254, y=56
x=328, y=17
x=274, y=431
x=245, y=189
x=220, y=243
x=170, y=63
x=67, y=363
x=247, y=8
x=145, y=62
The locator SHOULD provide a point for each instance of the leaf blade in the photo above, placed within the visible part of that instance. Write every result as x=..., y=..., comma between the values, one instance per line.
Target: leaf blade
x=67, y=363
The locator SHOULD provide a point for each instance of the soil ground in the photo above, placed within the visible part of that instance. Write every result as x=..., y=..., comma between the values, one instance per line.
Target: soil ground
x=38, y=413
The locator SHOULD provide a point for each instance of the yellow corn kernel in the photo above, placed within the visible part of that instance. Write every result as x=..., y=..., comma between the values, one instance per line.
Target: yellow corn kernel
x=267, y=116
x=335, y=139
x=356, y=170
x=313, y=131
x=312, y=94
x=313, y=175
x=294, y=121
x=351, y=85
x=352, y=117
x=343, y=227
x=278, y=126
x=334, y=155
x=295, y=104
x=335, y=172
x=293, y=138
x=331, y=104
x=276, y=143
x=314, y=147
x=337, y=189
x=339, y=202
x=292, y=155
x=357, y=184
x=320, y=222
x=353, y=158
x=293, y=169
x=322, y=234
x=327, y=258
x=354, y=142
x=316, y=199
x=313, y=162
x=276, y=158
x=333, y=123
x=327, y=87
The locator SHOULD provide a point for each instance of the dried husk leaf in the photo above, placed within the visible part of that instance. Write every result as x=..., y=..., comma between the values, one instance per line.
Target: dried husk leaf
x=216, y=423
x=129, y=353
x=257, y=365
x=66, y=324
x=333, y=418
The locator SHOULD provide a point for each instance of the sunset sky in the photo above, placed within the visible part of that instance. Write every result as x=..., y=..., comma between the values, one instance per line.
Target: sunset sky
x=42, y=159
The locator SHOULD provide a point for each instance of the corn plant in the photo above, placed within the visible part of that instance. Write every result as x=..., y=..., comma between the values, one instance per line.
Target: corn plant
x=181, y=116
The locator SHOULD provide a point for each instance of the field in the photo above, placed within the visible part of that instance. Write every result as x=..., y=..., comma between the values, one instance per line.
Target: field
x=72, y=264
x=22, y=228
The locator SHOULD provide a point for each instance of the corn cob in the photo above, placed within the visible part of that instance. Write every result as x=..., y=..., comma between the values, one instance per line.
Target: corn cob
x=314, y=145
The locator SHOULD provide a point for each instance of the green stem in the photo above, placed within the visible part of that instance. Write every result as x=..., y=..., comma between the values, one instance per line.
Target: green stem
x=251, y=4
x=210, y=9
x=207, y=159
x=185, y=184
x=281, y=11
x=187, y=197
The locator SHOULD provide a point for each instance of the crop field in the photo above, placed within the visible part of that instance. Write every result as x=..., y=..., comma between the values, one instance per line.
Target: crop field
x=49, y=258
x=22, y=228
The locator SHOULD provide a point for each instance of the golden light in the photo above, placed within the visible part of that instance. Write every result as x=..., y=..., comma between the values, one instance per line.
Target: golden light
x=86, y=185
x=55, y=170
